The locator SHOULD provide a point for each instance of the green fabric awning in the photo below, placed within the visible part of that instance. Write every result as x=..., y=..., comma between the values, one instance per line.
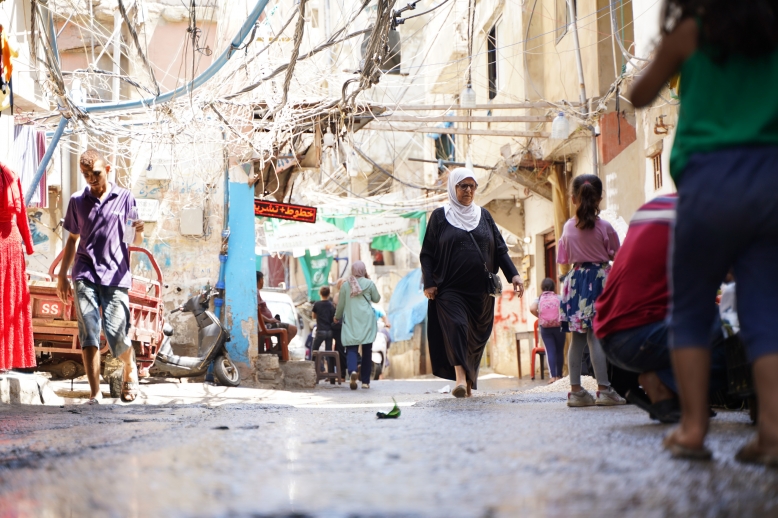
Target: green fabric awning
x=345, y=224
x=422, y=217
x=386, y=243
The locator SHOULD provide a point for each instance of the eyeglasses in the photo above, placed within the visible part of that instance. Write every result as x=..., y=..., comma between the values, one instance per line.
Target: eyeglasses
x=467, y=186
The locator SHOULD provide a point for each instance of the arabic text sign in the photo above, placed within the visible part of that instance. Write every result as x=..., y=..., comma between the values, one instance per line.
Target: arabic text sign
x=272, y=209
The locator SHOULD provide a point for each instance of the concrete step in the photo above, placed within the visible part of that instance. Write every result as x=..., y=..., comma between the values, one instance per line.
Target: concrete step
x=27, y=389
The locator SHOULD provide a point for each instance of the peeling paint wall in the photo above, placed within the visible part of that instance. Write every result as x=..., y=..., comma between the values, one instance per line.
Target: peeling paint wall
x=240, y=278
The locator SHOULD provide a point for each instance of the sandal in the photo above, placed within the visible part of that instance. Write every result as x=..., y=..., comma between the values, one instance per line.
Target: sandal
x=459, y=391
x=93, y=401
x=469, y=389
x=678, y=451
x=751, y=454
x=129, y=388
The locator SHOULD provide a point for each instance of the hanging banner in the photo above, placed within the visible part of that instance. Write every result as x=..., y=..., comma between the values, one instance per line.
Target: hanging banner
x=272, y=209
x=316, y=269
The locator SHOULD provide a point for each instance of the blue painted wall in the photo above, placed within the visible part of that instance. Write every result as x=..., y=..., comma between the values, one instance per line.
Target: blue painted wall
x=240, y=275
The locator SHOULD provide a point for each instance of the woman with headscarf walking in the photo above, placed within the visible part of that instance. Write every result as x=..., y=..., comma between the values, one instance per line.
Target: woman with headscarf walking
x=359, y=322
x=460, y=256
x=16, y=342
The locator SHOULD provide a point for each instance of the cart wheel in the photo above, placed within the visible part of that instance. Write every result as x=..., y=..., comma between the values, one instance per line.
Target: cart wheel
x=226, y=371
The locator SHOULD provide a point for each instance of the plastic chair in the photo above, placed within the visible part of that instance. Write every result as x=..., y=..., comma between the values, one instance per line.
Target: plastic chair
x=265, y=335
x=538, y=349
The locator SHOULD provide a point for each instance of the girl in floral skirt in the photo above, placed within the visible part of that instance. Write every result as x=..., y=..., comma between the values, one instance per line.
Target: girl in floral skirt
x=588, y=243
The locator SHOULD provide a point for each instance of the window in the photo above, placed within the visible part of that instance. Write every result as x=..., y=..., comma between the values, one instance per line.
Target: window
x=444, y=149
x=562, y=17
x=657, y=161
x=491, y=59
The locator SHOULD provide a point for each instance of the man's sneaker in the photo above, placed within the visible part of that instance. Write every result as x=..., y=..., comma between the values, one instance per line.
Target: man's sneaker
x=353, y=381
x=609, y=398
x=580, y=398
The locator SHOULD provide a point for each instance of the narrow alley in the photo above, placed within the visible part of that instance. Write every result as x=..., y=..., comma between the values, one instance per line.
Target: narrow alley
x=514, y=450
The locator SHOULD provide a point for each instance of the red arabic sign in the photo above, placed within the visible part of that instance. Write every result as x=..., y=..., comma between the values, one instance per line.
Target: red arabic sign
x=272, y=209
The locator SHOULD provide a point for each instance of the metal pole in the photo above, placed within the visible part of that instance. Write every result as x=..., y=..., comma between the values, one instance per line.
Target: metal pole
x=115, y=81
x=581, y=83
x=63, y=123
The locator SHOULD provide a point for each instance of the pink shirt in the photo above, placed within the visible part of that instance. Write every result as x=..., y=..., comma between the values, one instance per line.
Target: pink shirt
x=594, y=245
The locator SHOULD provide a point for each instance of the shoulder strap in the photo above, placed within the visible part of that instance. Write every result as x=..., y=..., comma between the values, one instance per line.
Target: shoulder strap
x=470, y=233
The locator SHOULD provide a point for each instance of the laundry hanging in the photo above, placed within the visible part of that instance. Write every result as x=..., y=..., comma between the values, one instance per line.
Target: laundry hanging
x=28, y=150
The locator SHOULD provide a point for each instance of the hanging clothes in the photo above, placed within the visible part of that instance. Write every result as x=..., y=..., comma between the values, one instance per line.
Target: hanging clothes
x=28, y=150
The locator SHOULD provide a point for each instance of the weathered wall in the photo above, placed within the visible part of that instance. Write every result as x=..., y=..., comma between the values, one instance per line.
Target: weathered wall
x=241, y=297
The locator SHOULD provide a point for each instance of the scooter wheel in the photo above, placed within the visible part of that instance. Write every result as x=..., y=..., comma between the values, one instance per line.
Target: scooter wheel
x=226, y=371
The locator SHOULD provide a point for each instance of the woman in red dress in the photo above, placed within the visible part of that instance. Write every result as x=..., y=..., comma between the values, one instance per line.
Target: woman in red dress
x=17, y=350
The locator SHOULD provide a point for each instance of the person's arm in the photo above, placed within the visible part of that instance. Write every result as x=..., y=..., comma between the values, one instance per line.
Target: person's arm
x=22, y=222
x=504, y=261
x=427, y=258
x=138, y=225
x=614, y=243
x=674, y=49
x=374, y=295
x=63, y=283
x=533, y=308
x=341, y=303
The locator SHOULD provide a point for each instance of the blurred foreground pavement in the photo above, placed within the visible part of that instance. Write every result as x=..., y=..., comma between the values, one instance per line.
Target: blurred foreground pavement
x=195, y=450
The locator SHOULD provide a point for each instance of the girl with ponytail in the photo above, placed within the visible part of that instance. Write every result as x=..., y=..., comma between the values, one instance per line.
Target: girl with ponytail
x=588, y=243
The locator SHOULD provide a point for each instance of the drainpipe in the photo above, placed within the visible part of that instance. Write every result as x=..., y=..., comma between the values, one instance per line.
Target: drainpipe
x=63, y=121
x=220, y=284
x=581, y=84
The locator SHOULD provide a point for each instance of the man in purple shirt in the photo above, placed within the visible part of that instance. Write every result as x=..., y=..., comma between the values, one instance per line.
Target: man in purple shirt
x=101, y=272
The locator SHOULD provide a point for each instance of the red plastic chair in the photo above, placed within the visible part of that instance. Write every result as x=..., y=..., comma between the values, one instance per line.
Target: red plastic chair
x=538, y=349
x=265, y=344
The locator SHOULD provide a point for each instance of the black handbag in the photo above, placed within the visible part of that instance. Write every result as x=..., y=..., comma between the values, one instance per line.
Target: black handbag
x=493, y=282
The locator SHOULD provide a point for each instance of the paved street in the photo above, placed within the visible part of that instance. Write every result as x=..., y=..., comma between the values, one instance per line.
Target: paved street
x=507, y=452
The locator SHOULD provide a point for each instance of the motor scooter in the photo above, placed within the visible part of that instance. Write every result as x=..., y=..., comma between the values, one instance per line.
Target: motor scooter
x=212, y=338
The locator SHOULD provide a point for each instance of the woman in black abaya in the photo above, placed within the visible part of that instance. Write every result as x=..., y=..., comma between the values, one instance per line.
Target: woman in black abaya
x=461, y=312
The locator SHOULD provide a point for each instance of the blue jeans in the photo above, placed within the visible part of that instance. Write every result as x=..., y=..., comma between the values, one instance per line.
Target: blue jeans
x=114, y=321
x=554, y=342
x=727, y=218
x=646, y=349
x=642, y=349
x=352, y=358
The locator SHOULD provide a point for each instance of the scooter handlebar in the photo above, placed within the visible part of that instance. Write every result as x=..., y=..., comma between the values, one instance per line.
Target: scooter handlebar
x=177, y=310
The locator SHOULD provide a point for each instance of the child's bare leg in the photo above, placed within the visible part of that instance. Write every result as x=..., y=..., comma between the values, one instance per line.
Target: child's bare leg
x=692, y=372
x=766, y=384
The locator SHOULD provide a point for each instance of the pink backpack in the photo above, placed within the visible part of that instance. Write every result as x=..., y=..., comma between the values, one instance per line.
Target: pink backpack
x=548, y=309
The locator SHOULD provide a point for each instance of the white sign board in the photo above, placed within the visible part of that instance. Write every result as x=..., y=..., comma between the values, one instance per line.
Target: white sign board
x=369, y=227
x=303, y=236
x=148, y=210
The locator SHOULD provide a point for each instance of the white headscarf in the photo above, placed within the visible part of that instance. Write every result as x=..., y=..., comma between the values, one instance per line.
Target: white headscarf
x=461, y=216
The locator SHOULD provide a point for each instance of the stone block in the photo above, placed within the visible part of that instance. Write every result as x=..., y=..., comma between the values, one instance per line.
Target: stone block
x=299, y=374
x=268, y=373
x=27, y=389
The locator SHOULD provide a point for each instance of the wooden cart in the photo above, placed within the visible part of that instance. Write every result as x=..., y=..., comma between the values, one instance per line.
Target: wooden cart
x=56, y=330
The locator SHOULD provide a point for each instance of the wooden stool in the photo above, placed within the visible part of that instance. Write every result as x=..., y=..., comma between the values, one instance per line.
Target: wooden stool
x=320, y=363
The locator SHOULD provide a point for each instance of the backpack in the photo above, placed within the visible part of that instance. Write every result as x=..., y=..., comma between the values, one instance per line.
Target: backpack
x=548, y=310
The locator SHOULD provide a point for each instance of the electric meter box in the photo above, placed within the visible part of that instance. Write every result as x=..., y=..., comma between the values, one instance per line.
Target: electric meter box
x=191, y=222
